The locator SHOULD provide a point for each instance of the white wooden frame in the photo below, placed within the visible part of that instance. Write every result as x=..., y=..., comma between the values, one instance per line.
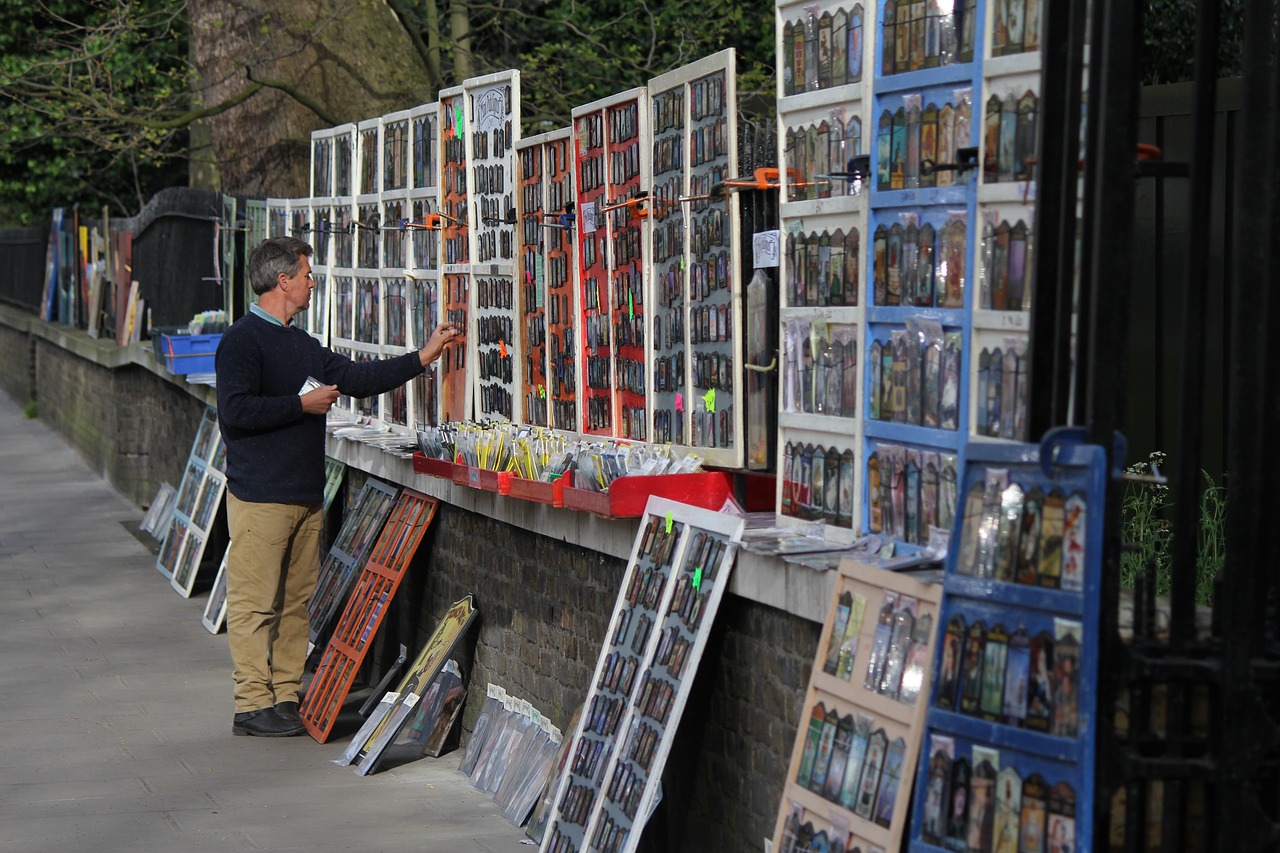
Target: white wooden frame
x=843, y=211
x=698, y=404
x=687, y=576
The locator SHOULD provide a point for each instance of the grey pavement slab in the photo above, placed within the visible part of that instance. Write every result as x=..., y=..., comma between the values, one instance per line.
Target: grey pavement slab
x=115, y=716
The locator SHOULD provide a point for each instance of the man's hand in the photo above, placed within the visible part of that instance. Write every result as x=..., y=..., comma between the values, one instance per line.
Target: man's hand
x=445, y=333
x=320, y=400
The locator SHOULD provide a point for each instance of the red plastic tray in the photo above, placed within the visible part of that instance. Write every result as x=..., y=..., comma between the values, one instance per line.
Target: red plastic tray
x=534, y=490
x=433, y=467
x=476, y=478
x=627, y=496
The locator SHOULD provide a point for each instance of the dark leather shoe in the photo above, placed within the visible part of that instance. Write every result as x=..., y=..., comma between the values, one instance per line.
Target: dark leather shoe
x=288, y=711
x=264, y=723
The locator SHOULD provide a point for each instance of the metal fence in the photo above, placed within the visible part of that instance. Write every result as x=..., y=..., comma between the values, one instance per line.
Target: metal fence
x=1187, y=729
x=1158, y=291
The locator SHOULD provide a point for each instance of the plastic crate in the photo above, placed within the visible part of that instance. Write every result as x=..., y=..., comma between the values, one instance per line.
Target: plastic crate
x=157, y=339
x=189, y=353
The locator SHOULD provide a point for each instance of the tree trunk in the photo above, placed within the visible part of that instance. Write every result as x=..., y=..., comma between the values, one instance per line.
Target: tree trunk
x=351, y=58
x=433, y=41
x=202, y=167
x=460, y=36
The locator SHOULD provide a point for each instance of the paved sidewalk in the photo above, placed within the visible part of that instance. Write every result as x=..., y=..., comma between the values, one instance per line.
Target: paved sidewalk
x=115, y=704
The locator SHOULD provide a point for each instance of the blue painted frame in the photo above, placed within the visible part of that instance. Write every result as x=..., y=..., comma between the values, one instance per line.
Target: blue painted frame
x=1060, y=461
x=933, y=205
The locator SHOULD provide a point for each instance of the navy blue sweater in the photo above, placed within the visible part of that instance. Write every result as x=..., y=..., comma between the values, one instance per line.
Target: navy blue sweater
x=275, y=452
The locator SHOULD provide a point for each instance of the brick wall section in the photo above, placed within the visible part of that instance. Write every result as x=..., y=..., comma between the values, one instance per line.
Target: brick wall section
x=153, y=436
x=543, y=608
x=131, y=426
x=729, y=758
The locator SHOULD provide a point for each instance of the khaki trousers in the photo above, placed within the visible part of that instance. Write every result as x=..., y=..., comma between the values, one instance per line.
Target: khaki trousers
x=272, y=564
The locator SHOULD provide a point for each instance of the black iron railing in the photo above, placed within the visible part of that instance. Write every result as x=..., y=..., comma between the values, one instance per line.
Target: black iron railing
x=1188, y=741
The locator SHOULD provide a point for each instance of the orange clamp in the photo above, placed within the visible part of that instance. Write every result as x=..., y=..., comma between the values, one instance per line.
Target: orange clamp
x=637, y=208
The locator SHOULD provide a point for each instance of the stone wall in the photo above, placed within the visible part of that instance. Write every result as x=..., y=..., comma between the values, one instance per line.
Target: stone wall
x=133, y=427
x=18, y=377
x=729, y=759
x=544, y=607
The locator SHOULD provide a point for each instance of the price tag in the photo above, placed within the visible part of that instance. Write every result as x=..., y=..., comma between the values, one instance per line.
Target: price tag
x=764, y=249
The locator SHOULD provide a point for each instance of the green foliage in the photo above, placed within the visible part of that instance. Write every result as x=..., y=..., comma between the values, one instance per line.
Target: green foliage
x=570, y=53
x=1146, y=529
x=1169, y=38
x=1213, y=539
x=95, y=96
x=30, y=410
x=76, y=81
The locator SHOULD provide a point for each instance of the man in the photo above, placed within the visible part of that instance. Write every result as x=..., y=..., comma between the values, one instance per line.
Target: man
x=275, y=440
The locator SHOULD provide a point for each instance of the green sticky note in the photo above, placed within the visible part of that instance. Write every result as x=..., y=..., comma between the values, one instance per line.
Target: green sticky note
x=697, y=577
x=669, y=522
x=710, y=399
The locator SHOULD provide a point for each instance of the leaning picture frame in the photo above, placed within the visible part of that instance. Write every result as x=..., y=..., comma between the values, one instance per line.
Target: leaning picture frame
x=380, y=730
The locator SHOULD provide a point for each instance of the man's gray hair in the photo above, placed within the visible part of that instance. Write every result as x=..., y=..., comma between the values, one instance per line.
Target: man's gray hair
x=272, y=257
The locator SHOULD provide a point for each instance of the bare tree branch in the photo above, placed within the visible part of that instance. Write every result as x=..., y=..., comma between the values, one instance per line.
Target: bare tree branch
x=293, y=92
x=184, y=119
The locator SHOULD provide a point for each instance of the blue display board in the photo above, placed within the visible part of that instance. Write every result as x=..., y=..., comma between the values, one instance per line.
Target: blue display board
x=1008, y=753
